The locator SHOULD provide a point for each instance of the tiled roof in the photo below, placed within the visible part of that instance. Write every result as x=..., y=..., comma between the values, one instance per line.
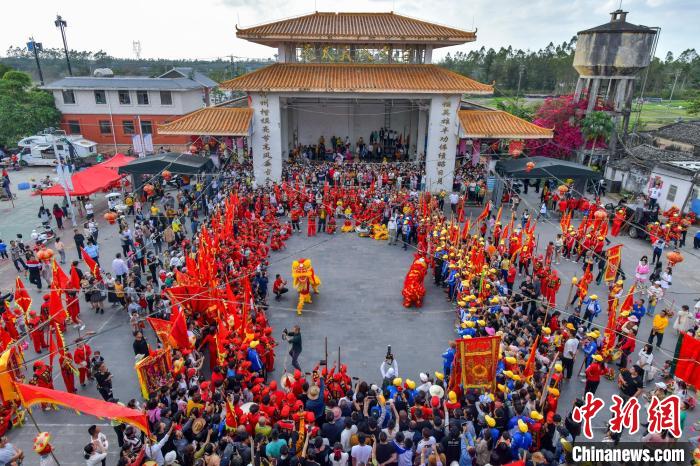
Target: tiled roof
x=500, y=125
x=211, y=121
x=369, y=27
x=687, y=132
x=648, y=152
x=399, y=78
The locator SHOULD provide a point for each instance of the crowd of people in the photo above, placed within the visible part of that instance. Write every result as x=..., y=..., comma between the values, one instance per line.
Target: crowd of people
x=220, y=407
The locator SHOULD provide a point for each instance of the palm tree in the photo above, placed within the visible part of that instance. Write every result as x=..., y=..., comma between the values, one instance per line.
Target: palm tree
x=596, y=126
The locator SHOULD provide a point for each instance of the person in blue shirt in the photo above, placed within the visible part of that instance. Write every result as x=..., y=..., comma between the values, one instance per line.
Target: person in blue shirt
x=315, y=401
x=447, y=358
x=256, y=364
x=521, y=440
x=638, y=309
x=591, y=309
x=590, y=348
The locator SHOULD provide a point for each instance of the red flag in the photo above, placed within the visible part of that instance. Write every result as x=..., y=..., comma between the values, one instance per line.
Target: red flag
x=162, y=329
x=22, y=298
x=629, y=299
x=74, y=278
x=92, y=265
x=179, y=330
x=529, y=370
x=688, y=365
x=498, y=215
x=247, y=301
x=60, y=280
x=484, y=213
x=613, y=263
x=56, y=310
x=465, y=229
x=32, y=395
x=5, y=339
x=584, y=282
x=231, y=416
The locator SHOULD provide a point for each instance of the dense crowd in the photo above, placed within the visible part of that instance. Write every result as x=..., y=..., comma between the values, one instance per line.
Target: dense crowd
x=221, y=408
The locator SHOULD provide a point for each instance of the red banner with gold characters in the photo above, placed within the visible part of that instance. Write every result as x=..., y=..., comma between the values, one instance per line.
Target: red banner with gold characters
x=614, y=258
x=476, y=361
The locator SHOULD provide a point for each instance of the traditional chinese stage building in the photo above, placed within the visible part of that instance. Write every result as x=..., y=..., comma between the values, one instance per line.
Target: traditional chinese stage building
x=352, y=76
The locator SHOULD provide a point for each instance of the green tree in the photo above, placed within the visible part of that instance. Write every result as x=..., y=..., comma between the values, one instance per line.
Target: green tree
x=517, y=107
x=24, y=110
x=596, y=128
x=694, y=107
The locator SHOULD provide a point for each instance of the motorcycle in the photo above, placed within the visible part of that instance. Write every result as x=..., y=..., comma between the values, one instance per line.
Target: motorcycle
x=42, y=234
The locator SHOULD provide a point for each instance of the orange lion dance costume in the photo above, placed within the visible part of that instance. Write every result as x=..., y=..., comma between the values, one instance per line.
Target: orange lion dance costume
x=304, y=280
x=413, y=288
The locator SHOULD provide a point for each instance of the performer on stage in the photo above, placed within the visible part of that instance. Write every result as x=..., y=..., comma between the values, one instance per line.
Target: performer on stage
x=305, y=279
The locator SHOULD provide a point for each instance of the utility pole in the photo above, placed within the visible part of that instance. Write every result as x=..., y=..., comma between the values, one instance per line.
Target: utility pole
x=678, y=73
x=62, y=25
x=136, y=45
x=521, y=70
x=36, y=47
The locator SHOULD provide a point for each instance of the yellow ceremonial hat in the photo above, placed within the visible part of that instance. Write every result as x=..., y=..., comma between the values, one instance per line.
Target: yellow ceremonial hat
x=511, y=360
x=491, y=422
x=522, y=426
x=536, y=416
x=597, y=357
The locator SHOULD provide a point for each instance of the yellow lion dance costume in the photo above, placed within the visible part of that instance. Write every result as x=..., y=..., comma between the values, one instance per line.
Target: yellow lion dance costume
x=304, y=280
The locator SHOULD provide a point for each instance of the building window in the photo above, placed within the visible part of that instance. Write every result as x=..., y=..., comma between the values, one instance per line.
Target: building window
x=146, y=127
x=672, y=190
x=142, y=97
x=68, y=97
x=105, y=127
x=124, y=98
x=166, y=98
x=73, y=127
x=100, y=97
x=128, y=127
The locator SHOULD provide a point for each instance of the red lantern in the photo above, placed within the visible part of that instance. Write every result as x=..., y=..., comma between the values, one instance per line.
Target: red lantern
x=44, y=255
x=166, y=175
x=674, y=257
x=529, y=166
x=111, y=217
x=600, y=215
x=149, y=189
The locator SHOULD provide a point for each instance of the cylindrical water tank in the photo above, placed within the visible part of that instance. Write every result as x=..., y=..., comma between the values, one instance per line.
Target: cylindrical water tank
x=617, y=48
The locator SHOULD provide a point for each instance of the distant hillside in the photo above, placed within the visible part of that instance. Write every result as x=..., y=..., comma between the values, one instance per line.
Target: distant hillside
x=53, y=64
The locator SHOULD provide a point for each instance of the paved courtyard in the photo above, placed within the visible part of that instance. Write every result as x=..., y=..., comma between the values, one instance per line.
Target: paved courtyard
x=359, y=310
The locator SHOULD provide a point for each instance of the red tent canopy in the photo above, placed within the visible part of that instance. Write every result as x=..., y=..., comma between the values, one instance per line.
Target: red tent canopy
x=86, y=182
x=119, y=160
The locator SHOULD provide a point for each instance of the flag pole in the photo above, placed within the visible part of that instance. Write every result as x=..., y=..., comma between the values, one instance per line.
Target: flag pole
x=31, y=416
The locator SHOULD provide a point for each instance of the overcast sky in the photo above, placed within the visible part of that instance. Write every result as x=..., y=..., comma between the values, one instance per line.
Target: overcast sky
x=206, y=28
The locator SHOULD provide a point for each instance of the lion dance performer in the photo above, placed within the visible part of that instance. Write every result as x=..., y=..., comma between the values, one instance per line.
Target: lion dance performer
x=305, y=279
x=413, y=287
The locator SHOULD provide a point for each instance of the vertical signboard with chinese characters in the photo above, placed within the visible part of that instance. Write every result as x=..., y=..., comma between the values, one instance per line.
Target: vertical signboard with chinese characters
x=266, y=138
x=442, y=143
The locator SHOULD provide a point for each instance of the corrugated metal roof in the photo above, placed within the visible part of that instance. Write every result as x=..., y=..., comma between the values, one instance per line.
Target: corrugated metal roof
x=338, y=27
x=398, y=78
x=125, y=82
x=189, y=72
x=211, y=121
x=498, y=124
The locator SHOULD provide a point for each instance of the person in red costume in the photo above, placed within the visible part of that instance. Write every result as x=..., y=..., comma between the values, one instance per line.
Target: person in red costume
x=36, y=332
x=42, y=378
x=311, y=226
x=68, y=371
x=618, y=220
x=81, y=357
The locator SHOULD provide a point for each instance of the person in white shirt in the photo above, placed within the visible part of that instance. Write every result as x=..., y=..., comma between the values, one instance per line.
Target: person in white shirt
x=346, y=434
x=654, y=194
x=94, y=453
x=154, y=450
x=425, y=382
x=338, y=457
x=570, y=348
x=97, y=436
x=119, y=268
x=361, y=453
x=454, y=199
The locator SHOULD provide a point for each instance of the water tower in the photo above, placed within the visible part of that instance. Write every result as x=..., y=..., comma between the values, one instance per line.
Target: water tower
x=608, y=59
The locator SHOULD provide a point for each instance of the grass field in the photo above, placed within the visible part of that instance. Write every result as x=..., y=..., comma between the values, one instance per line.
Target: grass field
x=654, y=114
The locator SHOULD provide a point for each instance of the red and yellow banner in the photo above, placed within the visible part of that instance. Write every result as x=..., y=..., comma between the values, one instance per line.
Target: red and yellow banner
x=688, y=365
x=477, y=359
x=154, y=372
x=32, y=395
x=613, y=263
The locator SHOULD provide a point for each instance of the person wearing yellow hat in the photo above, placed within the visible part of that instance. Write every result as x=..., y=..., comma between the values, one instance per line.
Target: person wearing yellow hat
x=491, y=422
x=591, y=309
x=593, y=374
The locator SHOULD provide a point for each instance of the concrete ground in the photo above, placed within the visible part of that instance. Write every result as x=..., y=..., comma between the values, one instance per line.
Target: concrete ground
x=359, y=309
